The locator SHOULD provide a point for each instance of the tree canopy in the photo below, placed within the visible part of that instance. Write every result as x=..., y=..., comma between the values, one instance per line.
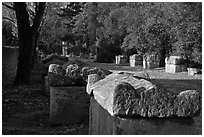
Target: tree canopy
x=107, y=29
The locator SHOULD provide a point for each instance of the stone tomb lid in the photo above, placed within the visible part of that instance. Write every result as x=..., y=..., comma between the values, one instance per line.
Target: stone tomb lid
x=176, y=60
x=125, y=95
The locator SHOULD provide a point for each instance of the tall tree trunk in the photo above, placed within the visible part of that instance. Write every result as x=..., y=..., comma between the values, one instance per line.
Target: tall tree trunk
x=25, y=40
x=27, y=36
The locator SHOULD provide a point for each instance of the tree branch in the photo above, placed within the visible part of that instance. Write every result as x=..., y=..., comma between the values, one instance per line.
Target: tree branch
x=8, y=6
x=38, y=15
x=9, y=19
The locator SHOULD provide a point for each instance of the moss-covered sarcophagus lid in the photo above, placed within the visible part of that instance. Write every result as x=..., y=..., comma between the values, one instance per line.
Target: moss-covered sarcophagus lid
x=127, y=95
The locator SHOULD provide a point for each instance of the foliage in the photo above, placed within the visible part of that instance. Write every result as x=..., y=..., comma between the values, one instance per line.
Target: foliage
x=130, y=27
x=58, y=24
x=167, y=28
x=8, y=36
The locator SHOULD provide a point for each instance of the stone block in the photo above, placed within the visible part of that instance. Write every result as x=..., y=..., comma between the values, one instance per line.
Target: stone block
x=134, y=63
x=136, y=57
x=193, y=71
x=171, y=68
x=150, y=64
x=125, y=95
x=64, y=51
x=73, y=73
x=124, y=104
x=68, y=105
x=9, y=63
x=120, y=59
x=135, y=60
x=102, y=123
x=175, y=60
x=151, y=61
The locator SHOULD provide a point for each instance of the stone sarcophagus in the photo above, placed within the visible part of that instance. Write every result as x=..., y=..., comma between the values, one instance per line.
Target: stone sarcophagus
x=193, y=71
x=130, y=104
x=175, y=64
x=135, y=60
x=151, y=61
x=69, y=102
x=120, y=59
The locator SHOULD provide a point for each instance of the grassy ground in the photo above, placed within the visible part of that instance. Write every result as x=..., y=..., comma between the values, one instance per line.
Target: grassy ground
x=25, y=109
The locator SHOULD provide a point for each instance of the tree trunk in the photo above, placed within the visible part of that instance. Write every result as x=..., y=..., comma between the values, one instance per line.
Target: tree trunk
x=25, y=40
x=27, y=36
x=162, y=57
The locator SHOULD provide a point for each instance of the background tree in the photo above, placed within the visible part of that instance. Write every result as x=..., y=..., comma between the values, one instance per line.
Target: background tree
x=28, y=17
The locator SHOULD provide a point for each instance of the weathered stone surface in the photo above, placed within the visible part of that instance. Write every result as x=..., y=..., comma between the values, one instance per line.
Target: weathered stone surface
x=150, y=64
x=74, y=73
x=171, y=68
x=142, y=75
x=135, y=60
x=101, y=72
x=134, y=63
x=175, y=60
x=79, y=63
x=68, y=105
x=92, y=78
x=56, y=69
x=187, y=103
x=102, y=123
x=64, y=51
x=151, y=61
x=126, y=95
x=59, y=80
x=136, y=57
x=120, y=59
x=193, y=71
x=152, y=57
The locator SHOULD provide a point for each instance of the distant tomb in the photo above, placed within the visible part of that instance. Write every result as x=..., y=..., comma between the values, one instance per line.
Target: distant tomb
x=64, y=51
x=151, y=61
x=120, y=59
x=174, y=64
x=135, y=60
x=193, y=71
